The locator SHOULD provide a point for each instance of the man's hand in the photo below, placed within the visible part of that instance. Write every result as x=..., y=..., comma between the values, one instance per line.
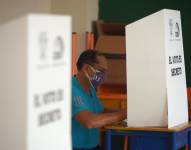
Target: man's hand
x=91, y=120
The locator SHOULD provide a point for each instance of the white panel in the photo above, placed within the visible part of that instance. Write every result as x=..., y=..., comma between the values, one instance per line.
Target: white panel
x=49, y=86
x=147, y=76
x=13, y=44
x=146, y=73
x=176, y=80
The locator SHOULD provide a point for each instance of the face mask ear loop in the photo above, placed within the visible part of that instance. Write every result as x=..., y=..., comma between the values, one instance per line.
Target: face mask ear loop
x=94, y=70
x=89, y=79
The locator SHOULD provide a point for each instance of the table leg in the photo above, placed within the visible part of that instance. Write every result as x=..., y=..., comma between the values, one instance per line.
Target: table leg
x=173, y=141
x=189, y=140
x=108, y=140
x=125, y=143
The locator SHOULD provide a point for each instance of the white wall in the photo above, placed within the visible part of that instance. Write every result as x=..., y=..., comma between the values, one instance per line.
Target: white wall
x=10, y=9
x=82, y=12
x=91, y=13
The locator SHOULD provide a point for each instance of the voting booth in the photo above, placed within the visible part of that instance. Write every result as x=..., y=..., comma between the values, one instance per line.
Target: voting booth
x=156, y=82
x=35, y=88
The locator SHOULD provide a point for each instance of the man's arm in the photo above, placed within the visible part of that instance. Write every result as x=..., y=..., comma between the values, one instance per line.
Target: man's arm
x=110, y=110
x=90, y=120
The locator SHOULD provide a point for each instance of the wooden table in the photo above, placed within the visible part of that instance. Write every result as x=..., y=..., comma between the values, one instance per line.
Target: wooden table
x=151, y=138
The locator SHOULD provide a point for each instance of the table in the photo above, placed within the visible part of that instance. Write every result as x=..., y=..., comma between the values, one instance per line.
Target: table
x=152, y=138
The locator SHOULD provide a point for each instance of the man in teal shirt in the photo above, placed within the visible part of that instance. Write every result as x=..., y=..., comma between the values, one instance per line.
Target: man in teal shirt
x=87, y=112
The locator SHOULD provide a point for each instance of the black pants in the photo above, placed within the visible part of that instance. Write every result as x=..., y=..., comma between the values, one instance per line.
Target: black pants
x=96, y=148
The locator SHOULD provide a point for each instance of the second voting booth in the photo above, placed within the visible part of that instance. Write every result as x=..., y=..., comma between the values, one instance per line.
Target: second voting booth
x=156, y=82
x=35, y=88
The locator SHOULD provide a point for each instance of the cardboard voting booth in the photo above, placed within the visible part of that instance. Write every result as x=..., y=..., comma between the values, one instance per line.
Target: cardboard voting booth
x=155, y=71
x=35, y=68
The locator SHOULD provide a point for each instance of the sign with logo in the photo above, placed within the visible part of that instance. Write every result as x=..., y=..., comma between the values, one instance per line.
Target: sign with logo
x=49, y=68
x=156, y=72
x=36, y=83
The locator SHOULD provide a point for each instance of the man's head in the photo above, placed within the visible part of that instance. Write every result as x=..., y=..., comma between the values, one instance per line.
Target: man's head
x=91, y=63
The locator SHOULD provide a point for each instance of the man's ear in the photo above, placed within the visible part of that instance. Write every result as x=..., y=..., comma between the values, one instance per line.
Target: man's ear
x=85, y=68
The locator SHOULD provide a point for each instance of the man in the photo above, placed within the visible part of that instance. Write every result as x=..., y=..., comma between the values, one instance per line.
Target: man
x=87, y=113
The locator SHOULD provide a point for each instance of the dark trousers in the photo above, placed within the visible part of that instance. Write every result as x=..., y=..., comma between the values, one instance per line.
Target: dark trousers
x=96, y=148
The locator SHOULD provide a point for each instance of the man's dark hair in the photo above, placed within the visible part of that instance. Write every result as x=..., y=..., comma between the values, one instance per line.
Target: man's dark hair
x=87, y=57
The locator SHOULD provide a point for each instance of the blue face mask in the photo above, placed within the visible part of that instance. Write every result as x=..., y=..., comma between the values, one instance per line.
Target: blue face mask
x=98, y=78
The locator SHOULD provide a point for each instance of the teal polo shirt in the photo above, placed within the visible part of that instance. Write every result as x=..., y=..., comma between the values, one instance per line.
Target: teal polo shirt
x=83, y=137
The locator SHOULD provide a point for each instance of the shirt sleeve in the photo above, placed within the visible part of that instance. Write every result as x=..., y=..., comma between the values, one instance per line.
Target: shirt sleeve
x=78, y=104
x=100, y=110
x=99, y=106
